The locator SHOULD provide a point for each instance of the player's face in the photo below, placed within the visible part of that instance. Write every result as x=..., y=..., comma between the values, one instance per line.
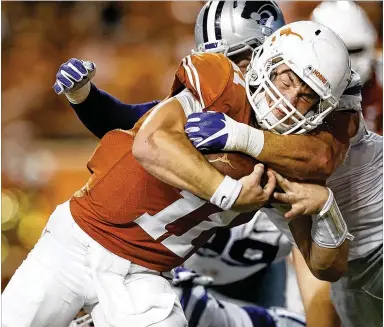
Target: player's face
x=299, y=94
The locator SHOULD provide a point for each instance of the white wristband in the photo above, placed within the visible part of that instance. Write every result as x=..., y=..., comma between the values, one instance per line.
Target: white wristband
x=79, y=95
x=329, y=229
x=227, y=193
x=246, y=139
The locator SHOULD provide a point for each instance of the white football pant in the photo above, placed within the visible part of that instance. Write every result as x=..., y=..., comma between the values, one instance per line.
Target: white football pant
x=67, y=270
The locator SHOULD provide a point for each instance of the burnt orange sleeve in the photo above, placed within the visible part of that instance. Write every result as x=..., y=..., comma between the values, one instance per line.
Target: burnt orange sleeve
x=205, y=75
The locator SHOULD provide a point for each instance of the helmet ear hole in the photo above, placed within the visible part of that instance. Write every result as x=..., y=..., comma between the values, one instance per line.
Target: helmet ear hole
x=317, y=32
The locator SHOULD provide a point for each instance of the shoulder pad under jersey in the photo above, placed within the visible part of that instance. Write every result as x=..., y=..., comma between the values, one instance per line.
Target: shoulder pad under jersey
x=205, y=75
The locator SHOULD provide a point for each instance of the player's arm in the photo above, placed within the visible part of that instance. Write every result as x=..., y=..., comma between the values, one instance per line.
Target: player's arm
x=315, y=294
x=304, y=157
x=164, y=150
x=327, y=264
x=317, y=227
x=316, y=156
x=101, y=112
x=161, y=143
x=97, y=110
x=311, y=157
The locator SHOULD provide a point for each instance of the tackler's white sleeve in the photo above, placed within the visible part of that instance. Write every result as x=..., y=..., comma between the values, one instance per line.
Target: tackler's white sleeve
x=351, y=98
x=188, y=102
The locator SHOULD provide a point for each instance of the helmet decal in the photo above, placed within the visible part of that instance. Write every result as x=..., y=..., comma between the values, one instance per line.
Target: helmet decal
x=261, y=11
x=287, y=31
x=239, y=25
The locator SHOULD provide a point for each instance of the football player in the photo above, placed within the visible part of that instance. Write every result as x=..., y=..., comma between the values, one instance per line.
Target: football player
x=100, y=112
x=111, y=247
x=105, y=249
x=247, y=277
x=342, y=17
x=203, y=77
x=276, y=69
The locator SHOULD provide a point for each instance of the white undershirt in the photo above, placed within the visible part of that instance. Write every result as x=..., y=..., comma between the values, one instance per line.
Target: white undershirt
x=188, y=102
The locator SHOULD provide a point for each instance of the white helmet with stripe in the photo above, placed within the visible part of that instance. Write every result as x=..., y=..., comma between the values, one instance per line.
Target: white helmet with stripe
x=231, y=27
x=317, y=55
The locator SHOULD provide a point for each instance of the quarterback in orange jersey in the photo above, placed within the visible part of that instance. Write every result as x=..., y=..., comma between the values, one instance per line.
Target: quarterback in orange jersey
x=110, y=247
x=156, y=140
x=145, y=220
x=313, y=156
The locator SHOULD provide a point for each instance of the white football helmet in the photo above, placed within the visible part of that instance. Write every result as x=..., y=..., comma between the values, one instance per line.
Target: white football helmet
x=231, y=27
x=315, y=54
x=351, y=23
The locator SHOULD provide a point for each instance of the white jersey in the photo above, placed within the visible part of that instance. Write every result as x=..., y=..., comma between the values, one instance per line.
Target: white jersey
x=358, y=189
x=234, y=254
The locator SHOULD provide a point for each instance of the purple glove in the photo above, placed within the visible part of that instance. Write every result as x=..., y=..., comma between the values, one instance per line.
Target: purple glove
x=208, y=131
x=73, y=74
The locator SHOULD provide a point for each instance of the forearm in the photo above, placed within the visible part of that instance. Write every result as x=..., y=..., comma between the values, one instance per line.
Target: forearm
x=159, y=150
x=303, y=157
x=101, y=112
x=159, y=155
x=315, y=295
x=329, y=264
x=325, y=263
x=311, y=157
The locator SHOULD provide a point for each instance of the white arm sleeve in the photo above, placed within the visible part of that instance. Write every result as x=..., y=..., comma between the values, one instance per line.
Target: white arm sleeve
x=351, y=98
x=188, y=102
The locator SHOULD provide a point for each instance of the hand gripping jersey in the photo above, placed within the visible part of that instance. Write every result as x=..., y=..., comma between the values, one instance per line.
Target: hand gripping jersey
x=357, y=184
x=358, y=189
x=135, y=215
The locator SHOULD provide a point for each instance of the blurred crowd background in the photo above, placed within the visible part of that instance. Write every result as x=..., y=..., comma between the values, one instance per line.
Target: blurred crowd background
x=136, y=47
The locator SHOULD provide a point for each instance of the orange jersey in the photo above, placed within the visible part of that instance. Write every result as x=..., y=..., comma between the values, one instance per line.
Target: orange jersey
x=135, y=215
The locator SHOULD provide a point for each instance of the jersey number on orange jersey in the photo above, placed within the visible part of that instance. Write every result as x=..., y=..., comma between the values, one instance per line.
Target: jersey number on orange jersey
x=182, y=245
